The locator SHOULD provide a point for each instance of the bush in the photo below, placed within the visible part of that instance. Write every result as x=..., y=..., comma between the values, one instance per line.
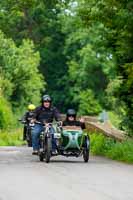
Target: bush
x=6, y=115
x=122, y=151
x=97, y=144
x=102, y=145
x=13, y=138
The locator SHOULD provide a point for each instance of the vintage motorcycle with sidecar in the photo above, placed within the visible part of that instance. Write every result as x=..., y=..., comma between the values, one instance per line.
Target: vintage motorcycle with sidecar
x=70, y=141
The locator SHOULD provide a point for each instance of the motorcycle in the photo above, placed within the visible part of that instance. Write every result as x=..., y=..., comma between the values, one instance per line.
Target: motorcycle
x=28, y=126
x=70, y=141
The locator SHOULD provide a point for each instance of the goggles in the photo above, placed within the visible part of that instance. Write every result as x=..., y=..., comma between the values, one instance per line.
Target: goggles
x=72, y=116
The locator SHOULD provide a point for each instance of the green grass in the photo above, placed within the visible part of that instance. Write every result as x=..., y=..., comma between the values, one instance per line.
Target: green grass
x=102, y=145
x=12, y=138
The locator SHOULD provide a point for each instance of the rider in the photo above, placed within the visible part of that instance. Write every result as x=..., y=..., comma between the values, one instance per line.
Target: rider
x=26, y=118
x=71, y=119
x=46, y=112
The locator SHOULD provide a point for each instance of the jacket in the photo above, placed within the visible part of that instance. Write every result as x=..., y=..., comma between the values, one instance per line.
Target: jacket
x=46, y=114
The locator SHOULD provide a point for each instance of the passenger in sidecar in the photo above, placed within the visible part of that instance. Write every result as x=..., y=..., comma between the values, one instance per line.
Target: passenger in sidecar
x=71, y=119
x=75, y=141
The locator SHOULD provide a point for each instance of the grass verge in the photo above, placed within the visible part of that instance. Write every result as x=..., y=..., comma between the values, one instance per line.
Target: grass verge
x=12, y=138
x=102, y=145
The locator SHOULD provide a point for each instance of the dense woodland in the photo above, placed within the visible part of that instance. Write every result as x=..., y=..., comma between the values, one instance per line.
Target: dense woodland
x=80, y=52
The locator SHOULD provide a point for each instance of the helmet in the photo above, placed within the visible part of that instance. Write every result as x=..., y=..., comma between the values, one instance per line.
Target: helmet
x=31, y=107
x=46, y=98
x=71, y=112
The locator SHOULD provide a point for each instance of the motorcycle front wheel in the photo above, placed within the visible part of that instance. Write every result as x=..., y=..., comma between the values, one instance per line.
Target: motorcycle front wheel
x=48, y=149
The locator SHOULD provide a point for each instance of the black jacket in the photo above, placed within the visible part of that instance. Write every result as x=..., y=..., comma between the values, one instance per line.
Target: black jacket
x=74, y=123
x=27, y=116
x=46, y=114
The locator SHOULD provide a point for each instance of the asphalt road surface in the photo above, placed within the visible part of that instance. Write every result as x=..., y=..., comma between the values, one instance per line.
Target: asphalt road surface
x=24, y=177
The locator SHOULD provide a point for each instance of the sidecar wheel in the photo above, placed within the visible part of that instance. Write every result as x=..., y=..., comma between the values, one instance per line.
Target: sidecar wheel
x=86, y=154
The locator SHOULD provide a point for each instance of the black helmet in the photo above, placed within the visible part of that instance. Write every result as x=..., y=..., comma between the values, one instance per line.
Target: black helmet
x=71, y=112
x=46, y=98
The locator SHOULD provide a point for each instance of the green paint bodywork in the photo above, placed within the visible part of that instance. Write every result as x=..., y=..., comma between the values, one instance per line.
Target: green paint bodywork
x=72, y=139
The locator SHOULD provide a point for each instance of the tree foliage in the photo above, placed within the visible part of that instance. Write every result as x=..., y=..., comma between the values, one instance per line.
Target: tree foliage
x=20, y=80
x=117, y=18
x=38, y=20
x=6, y=115
x=85, y=51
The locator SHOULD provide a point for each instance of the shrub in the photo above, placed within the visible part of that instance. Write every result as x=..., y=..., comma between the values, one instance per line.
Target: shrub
x=13, y=138
x=122, y=151
x=6, y=115
x=97, y=144
x=102, y=145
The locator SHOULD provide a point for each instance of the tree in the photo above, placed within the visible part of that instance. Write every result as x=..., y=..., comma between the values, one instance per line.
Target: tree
x=90, y=64
x=88, y=105
x=38, y=20
x=117, y=18
x=21, y=81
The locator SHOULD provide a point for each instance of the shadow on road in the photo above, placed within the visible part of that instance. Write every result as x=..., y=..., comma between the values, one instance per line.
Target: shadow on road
x=92, y=161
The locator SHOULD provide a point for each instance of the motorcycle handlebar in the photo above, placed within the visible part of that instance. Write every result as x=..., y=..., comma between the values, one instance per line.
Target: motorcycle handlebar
x=43, y=123
x=22, y=121
x=59, y=123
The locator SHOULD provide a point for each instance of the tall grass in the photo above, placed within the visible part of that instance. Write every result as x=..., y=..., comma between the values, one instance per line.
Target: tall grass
x=102, y=145
x=12, y=138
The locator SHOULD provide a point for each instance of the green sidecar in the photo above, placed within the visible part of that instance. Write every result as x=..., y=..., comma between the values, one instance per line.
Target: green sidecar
x=73, y=141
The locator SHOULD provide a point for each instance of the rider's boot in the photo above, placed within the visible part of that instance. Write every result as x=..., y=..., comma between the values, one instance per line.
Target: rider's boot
x=35, y=152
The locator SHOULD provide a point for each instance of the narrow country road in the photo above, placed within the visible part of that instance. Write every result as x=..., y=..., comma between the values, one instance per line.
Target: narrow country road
x=24, y=177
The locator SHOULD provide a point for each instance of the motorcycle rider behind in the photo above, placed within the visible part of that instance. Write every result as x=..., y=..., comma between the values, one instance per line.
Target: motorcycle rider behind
x=26, y=118
x=71, y=119
x=44, y=113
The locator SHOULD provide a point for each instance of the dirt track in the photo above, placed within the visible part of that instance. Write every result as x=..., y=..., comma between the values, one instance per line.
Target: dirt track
x=23, y=177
